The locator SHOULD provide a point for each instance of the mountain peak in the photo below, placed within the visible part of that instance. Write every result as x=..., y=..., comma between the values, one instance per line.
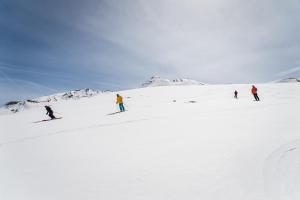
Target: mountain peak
x=156, y=81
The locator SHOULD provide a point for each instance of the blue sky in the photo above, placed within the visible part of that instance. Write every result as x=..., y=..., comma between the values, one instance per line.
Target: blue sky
x=55, y=45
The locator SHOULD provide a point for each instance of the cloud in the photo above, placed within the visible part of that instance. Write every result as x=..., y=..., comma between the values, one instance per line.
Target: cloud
x=195, y=38
x=12, y=88
x=290, y=72
x=20, y=89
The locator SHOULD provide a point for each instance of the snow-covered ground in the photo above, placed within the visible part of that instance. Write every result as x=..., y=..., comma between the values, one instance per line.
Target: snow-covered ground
x=174, y=142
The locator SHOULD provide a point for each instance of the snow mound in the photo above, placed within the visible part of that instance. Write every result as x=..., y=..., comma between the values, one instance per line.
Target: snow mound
x=289, y=80
x=17, y=106
x=156, y=81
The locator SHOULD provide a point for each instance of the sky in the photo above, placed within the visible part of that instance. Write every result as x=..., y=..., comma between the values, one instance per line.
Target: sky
x=51, y=46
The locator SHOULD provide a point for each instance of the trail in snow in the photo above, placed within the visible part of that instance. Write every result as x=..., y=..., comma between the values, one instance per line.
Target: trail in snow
x=69, y=131
x=282, y=172
x=201, y=115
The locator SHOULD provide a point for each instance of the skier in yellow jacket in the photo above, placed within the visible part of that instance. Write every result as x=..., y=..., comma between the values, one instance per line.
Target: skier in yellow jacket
x=120, y=102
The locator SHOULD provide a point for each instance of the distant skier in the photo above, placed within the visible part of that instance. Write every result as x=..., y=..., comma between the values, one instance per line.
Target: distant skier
x=254, y=92
x=120, y=102
x=50, y=112
x=235, y=94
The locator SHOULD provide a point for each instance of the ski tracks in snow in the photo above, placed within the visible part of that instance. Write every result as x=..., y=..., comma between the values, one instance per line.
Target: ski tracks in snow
x=69, y=131
x=113, y=124
x=282, y=172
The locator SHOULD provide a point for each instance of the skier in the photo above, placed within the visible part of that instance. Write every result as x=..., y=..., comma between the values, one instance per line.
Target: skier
x=254, y=92
x=50, y=112
x=235, y=94
x=120, y=102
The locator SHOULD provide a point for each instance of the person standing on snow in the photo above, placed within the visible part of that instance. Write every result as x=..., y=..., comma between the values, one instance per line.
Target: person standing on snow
x=235, y=94
x=254, y=92
x=120, y=102
x=50, y=112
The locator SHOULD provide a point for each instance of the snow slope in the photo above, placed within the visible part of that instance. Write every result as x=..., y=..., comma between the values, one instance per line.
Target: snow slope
x=175, y=142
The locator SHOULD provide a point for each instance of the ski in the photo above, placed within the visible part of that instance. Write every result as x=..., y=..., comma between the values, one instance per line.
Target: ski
x=46, y=120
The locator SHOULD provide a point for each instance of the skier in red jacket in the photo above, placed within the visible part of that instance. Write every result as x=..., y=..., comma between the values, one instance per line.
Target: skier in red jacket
x=254, y=92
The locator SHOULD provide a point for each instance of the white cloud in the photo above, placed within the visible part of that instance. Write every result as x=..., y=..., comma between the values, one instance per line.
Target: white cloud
x=200, y=38
x=288, y=72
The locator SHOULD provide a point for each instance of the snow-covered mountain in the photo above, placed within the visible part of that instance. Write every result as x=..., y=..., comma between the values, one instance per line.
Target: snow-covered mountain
x=288, y=80
x=172, y=143
x=75, y=94
x=158, y=81
x=16, y=106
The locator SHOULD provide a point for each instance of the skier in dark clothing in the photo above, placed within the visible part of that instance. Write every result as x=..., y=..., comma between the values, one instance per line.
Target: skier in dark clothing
x=235, y=94
x=254, y=92
x=50, y=112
